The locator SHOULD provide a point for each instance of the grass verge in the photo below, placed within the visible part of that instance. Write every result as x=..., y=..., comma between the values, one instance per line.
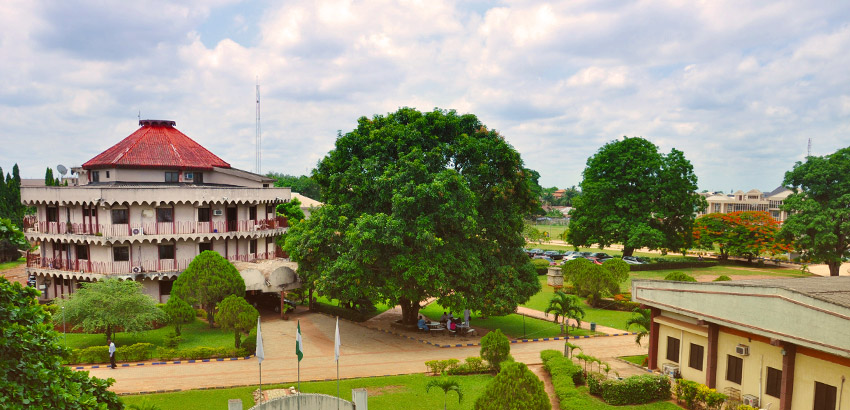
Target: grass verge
x=385, y=393
x=196, y=334
x=12, y=264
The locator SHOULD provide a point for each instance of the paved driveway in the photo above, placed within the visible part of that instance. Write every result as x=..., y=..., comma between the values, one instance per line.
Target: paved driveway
x=365, y=352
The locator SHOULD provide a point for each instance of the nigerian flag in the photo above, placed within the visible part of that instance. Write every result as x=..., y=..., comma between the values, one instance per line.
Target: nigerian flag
x=299, y=345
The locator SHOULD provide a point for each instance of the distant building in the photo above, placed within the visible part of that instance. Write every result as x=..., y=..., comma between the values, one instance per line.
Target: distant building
x=307, y=204
x=772, y=343
x=144, y=208
x=754, y=200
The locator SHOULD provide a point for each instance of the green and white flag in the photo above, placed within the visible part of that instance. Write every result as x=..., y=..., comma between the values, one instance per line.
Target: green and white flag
x=299, y=345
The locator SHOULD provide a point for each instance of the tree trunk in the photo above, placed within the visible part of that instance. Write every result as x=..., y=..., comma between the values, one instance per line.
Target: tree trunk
x=409, y=310
x=237, y=338
x=210, y=319
x=833, y=268
x=628, y=251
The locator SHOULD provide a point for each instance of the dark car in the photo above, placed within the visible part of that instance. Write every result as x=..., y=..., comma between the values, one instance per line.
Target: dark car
x=554, y=255
x=601, y=256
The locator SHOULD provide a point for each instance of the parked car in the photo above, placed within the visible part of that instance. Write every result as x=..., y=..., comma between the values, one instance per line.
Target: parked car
x=536, y=251
x=633, y=260
x=546, y=258
x=601, y=255
x=554, y=255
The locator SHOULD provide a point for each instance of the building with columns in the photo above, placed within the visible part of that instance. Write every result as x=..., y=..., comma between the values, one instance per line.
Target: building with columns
x=752, y=200
x=774, y=343
x=144, y=208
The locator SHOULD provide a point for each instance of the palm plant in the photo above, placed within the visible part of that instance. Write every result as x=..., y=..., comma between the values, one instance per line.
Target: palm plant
x=566, y=307
x=144, y=405
x=642, y=319
x=570, y=348
x=447, y=385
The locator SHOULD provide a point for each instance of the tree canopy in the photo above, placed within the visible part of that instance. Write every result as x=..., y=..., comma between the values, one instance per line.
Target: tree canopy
x=818, y=212
x=178, y=312
x=10, y=197
x=596, y=281
x=108, y=305
x=31, y=372
x=207, y=280
x=236, y=314
x=741, y=233
x=304, y=185
x=420, y=205
x=11, y=240
x=291, y=210
x=635, y=196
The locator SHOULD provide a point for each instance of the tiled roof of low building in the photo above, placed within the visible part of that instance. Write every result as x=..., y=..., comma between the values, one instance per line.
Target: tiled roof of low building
x=157, y=144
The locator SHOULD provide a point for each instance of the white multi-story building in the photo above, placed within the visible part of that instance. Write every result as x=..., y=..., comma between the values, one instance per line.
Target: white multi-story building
x=144, y=208
x=753, y=200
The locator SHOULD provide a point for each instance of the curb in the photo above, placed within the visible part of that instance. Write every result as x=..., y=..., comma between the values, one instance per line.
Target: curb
x=134, y=364
x=254, y=385
x=544, y=339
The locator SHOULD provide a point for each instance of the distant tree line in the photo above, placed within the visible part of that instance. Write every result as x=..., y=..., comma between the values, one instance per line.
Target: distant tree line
x=10, y=197
x=304, y=185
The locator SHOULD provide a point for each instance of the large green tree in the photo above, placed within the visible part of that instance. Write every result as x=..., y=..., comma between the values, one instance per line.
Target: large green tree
x=635, y=196
x=108, y=305
x=420, y=205
x=742, y=233
x=596, y=281
x=236, y=314
x=304, y=185
x=818, y=212
x=31, y=372
x=207, y=280
x=11, y=240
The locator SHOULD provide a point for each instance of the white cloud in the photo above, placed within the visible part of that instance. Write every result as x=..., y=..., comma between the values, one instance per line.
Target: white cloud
x=738, y=86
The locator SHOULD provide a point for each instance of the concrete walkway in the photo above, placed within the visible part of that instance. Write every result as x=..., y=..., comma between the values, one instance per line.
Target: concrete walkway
x=365, y=352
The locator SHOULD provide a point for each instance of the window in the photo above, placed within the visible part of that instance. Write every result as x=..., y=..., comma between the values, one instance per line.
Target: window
x=119, y=216
x=824, y=396
x=252, y=246
x=107, y=174
x=52, y=214
x=673, y=349
x=252, y=213
x=164, y=214
x=121, y=253
x=734, y=368
x=203, y=214
x=269, y=210
x=95, y=176
x=82, y=252
x=695, y=357
x=774, y=382
x=166, y=251
x=204, y=246
x=165, y=287
x=172, y=177
x=90, y=212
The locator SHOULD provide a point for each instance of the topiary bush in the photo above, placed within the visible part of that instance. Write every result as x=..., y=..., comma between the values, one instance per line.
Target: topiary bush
x=134, y=353
x=514, y=387
x=636, y=390
x=722, y=278
x=679, y=277
x=541, y=266
x=563, y=372
x=249, y=342
x=495, y=348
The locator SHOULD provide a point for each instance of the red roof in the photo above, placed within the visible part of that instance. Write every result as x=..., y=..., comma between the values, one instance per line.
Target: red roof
x=157, y=144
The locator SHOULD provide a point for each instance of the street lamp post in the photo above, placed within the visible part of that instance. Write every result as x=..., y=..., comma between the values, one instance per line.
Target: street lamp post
x=64, y=335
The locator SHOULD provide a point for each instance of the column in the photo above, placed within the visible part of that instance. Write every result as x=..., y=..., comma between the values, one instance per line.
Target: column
x=655, y=328
x=711, y=360
x=789, y=356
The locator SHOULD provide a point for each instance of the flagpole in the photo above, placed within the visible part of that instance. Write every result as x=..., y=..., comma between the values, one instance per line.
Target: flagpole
x=336, y=358
x=261, y=382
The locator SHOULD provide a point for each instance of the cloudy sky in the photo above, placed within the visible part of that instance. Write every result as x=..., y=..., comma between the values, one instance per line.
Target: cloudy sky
x=738, y=86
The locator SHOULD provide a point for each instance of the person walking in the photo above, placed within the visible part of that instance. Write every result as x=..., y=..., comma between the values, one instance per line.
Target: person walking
x=111, y=353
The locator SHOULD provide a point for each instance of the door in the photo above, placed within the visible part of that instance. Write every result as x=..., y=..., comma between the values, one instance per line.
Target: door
x=231, y=219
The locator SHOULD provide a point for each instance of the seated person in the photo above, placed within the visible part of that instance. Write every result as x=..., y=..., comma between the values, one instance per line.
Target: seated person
x=444, y=318
x=421, y=323
x=453, y=325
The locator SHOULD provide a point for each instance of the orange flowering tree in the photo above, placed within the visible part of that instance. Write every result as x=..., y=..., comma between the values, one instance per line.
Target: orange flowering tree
x=742, y=233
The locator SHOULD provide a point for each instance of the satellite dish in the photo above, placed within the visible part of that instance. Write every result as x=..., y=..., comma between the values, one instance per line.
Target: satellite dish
x=62, y=170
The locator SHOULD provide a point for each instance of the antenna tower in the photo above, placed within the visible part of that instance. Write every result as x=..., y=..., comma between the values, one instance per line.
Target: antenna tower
x=259, y=138
x=810, y=148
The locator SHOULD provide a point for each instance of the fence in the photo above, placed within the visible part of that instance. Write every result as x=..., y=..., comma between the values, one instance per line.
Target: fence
x=154, y=228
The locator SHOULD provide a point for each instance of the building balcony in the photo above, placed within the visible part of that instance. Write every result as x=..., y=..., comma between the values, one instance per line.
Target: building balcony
x=153, y=228
x=37, y=262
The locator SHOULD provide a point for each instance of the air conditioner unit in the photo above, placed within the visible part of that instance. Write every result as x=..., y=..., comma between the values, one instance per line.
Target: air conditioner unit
x=670, y=369
x=750, y=400
x=742, y=350
x=218, y=212
x=137, y=269
x=138, y=231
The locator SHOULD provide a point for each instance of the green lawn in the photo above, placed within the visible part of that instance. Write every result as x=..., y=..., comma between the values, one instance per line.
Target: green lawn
x=638, y=360
x=610, y=318
x=385, y=393
x=196, y=334
x=12, y=264
x=511, y=325
x=379, y=307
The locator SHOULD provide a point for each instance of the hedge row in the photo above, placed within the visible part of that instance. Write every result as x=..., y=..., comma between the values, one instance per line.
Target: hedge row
x=146, y=351
x=635, y=389
x=693, y=394
x=473, y=365
x=672, y=265
x=564, y=375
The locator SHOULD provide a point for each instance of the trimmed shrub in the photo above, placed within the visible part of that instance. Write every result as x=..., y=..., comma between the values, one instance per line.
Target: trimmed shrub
x=636, y=390
x=594, y=383
x=556, y=364
x=541, y=266
x=563, y=372
x=440, y=366
x=473, y=365
x=93, y=354
x=249, y=342
x=722, y=278
x=172, y=340
x=133, y=353
x=495, y=348
x=679, y=277
x=514, y=384
x=698, y=395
